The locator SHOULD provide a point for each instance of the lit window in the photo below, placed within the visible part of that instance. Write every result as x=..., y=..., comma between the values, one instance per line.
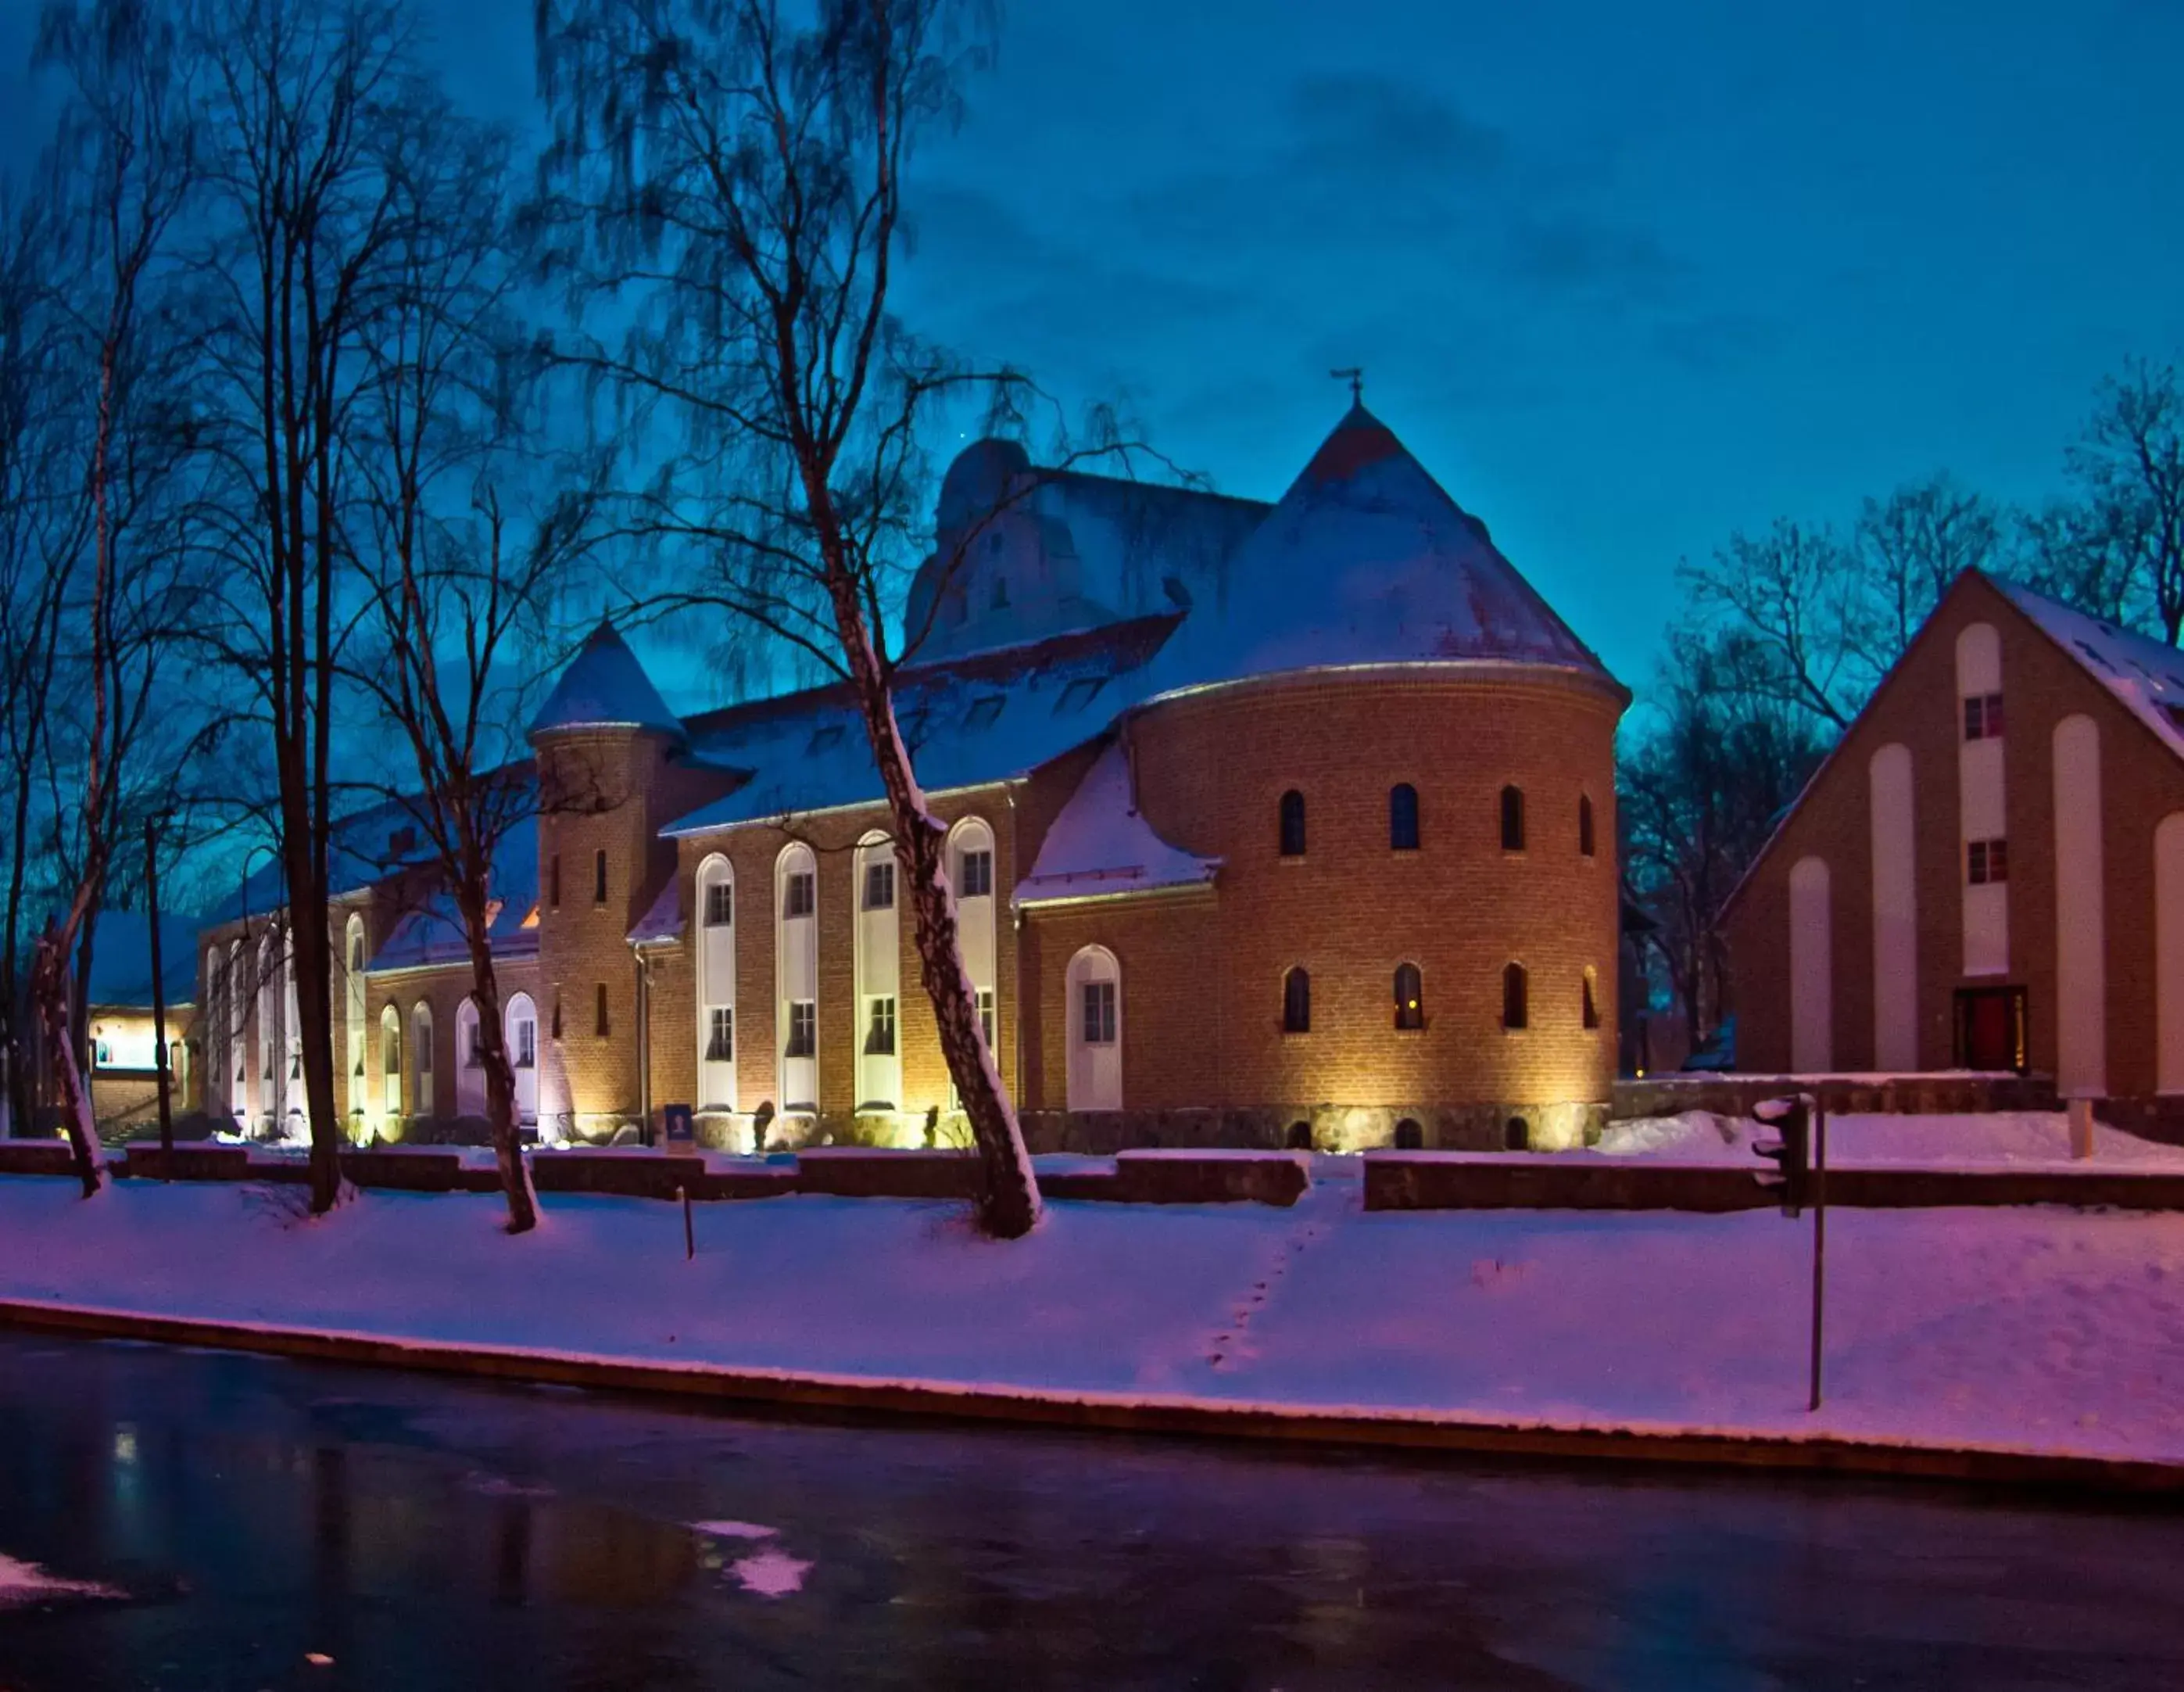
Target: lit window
x=1983, y=717
x=974, y=876
x=803, y=1029
x=1296, y=1003
x=1585, y=825
x=879, y=885
x=800, y=896
x=1292, y=823
x=719, y=903
x=1987, y=861
x=527, y=1045
x=1410, y=998
x=1098, y=1011
x=986, y=1015
x=721, y=1035
x=879, y=1028
x=1403, y=817
x=1513, y=819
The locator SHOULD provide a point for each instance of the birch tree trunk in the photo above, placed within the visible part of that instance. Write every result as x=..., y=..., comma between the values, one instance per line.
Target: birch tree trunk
x=49, y=989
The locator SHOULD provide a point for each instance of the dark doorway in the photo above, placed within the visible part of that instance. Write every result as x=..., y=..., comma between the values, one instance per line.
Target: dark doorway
x=1409, y=1136
x=1991, y=1028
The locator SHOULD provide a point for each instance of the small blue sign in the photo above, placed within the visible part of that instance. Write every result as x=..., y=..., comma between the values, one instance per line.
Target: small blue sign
x=678, y=1125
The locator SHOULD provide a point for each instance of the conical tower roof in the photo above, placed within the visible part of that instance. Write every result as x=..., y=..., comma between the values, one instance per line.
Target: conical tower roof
x=1367, y=560
x=605, y=687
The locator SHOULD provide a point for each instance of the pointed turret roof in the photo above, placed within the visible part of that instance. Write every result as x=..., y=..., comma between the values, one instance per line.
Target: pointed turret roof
x=605, y=687
x=1367, y=560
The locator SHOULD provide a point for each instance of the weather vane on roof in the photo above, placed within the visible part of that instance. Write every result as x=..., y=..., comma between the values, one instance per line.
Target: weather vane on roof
x=1354, y=375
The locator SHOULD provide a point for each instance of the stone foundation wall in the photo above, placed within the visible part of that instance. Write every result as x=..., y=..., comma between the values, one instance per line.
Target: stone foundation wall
x=1329, y=1128
x=1930, y=1095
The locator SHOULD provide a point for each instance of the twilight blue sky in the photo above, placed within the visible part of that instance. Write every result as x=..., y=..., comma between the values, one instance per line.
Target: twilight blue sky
x=1624, y=278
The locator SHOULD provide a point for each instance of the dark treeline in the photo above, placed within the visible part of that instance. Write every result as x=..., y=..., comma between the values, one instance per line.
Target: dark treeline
x=1782, y=636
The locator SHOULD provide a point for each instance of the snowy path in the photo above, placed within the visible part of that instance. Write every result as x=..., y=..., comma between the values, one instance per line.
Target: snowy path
x=2021, y=1329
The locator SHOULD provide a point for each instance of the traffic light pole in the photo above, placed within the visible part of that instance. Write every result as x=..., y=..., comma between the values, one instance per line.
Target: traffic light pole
x=1819, y=1241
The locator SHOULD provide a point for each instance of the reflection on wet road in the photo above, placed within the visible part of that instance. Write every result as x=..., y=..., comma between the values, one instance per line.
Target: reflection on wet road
x=407, y=1532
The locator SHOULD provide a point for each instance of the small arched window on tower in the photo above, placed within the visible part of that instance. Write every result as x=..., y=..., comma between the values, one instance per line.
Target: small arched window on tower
x=1296, y=1003
x=1403, y=817
x=1292, y=822
x=1513, y=819
x=1585, y=825
x=1410, y=998
x=1515, y=1010
x=1591, y=1000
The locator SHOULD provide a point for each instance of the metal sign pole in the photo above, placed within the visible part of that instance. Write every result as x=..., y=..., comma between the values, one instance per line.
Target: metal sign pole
x=1819, y=1240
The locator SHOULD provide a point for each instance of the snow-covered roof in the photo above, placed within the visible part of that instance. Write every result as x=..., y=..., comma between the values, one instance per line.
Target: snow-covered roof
x=1365, y=560
x=663, y=918
x=434, y=934
x=982, y=719
x=2146, y=675
x=121, y=958
x=1100, y=846
x=605, y=687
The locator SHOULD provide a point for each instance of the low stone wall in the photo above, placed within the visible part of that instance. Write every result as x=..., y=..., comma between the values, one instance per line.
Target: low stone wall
x=857, y=1172
x=1934, y=1095
x=1411, y=1180
x=36, y=1157
x=1324, y=1128
x=2158, y=1117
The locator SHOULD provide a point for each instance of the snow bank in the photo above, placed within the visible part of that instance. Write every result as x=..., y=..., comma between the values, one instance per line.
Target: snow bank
x=2019, y=1329
x=23, y=1584
x=2020, y=1139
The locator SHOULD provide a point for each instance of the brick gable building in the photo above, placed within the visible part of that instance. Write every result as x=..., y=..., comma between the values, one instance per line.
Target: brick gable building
x=1988, y=871
x=1261, y=816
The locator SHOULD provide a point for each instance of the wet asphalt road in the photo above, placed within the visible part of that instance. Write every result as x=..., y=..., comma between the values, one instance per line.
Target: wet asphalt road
x=419, y=1533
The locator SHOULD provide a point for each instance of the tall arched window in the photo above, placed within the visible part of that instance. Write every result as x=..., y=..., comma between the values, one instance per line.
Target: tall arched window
x=715, y=903
x=520, y=1036
x=1403, y=817
x=238, y=1037
x=1292, y=823
x=1410, y=996
x=1296, y=1003
x=422, y=1101
x=796, y=966
x=970, y=872
x=1585, y=825
x=470, y=1065
x=390, y=1064
x=1093, y=990
x=1592, y=998
x=1513, y=819
x=878, y=960
x=354, y=952
x=1515, y=1010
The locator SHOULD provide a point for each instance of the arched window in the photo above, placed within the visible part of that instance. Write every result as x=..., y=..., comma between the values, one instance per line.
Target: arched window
x=1300, y=1138
x=521, y=1035
x=1515, y=1136
x=716, y=984
x=354, y=951
x=390, y=1065
x=1292, y=823
x=420, y=1042
x=1093, y=986
x=796, y=966
x=1409, y=1136
x=1513, y=819
x=1403, y=817
x=1514, y=1007
x=470, y=1064
x=1410, y=998
x=1585, y=825
x=877, y=959
x=1296, y=1003
x=970, y=872
x=1591, y=999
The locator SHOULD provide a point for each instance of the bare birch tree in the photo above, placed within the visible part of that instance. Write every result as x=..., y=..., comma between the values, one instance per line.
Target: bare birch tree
x=129, y=130
x=732, y=172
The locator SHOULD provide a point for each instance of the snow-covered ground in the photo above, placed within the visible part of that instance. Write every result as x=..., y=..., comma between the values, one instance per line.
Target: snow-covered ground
x=2026, y=1329
x=2017, y=1138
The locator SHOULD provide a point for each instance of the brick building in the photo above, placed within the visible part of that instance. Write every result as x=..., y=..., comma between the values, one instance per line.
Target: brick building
x=1988, y=871
x=1262, y=815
